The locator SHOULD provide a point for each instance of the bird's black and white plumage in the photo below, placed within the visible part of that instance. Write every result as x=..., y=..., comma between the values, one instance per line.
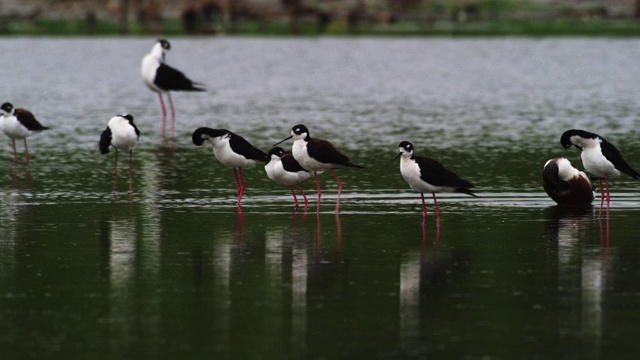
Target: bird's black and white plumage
x=565, y=184
x=162, y=78
x=231, y=150
x=18, y=124
x=428, y=175
x=599, y=158
x=123, y=134
x=318, y=155
x=283, y=168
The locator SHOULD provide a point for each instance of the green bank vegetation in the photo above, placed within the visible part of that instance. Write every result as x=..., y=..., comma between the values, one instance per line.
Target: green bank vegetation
x=393, y=18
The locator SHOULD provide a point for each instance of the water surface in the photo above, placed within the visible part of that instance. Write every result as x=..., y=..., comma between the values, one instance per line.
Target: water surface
x=177, y=271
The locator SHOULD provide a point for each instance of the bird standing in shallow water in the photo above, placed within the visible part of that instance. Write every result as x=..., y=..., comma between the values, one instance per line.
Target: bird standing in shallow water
x=428, y=175
x=122, y=134
x=565, y=184
x=231, y=150
x=600, y=158
x=18, y=123
x=318, y=155
x=283, y=168
x=162, y=78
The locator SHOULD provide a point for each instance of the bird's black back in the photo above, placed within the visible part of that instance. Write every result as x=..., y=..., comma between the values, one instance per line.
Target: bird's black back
x=325, y=152
x=26, y=118
x=434, y=173
x=612, y=154
x=290, y=164
x=241, y=146
x=168, y=78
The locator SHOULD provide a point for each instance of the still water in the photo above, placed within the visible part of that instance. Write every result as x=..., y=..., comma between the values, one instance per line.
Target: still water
x=176, y=271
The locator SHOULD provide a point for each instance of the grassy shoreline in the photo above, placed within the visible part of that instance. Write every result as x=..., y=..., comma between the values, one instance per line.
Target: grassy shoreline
x=501, y=27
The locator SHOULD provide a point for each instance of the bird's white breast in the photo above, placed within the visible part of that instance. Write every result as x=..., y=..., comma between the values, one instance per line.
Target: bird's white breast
x=299, y=152
x=123, y=135
x=150, y=64
x=411, y=172
x=13, y=128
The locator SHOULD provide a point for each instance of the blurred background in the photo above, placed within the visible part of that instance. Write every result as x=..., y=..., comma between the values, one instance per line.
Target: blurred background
x=464, y=17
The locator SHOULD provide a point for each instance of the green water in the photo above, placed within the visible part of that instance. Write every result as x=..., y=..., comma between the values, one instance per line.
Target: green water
x=180, y=272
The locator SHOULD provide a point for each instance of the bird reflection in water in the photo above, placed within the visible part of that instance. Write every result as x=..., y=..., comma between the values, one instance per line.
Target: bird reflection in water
x=604, y=234
x=129, y=207
x=423, y=279
x=581, y=271
x=319, y=232
x=424, y=242
x=240, y=225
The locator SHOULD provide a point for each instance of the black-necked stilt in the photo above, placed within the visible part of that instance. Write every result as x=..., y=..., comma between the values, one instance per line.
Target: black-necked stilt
x=565, y=184
x=283, y=168
x=318, y=155
x=599, y=157
x=18, y=123
x=122, y=134
x=428, y=175
x=231, y=150
x=162, y=78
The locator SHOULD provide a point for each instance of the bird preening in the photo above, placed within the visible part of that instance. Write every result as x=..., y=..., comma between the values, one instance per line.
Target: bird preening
x=599, y=158
x=231, y=150
x=565, y=184
x=123, y=134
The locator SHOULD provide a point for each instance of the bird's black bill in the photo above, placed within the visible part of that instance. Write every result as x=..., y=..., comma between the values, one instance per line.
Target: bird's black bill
x=397, y=156
x=282, y=141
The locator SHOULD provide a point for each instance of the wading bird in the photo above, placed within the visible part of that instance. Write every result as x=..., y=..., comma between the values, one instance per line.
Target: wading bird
x=282, y=168
x=318, y=155
x=600, y=158
x=428, y=175
x=18, y=123
x=162, y=78
x=122, y=134
x=231, y=150
x=565, y=184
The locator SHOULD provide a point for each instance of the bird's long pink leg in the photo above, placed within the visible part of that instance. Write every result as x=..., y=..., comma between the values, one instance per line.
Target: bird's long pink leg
x=235, y=174
x=601, y=199
x=295, y=199
x=164, y=115
x=26, y=153
x=15, y=155
x=424, y=210
x=437, y=208
x=606, y=178
x=115, y=172
x=130, y=171
x=306, y=202
x=339, y=189
x=318, y=189
x=173, y=117
x=242, y=185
